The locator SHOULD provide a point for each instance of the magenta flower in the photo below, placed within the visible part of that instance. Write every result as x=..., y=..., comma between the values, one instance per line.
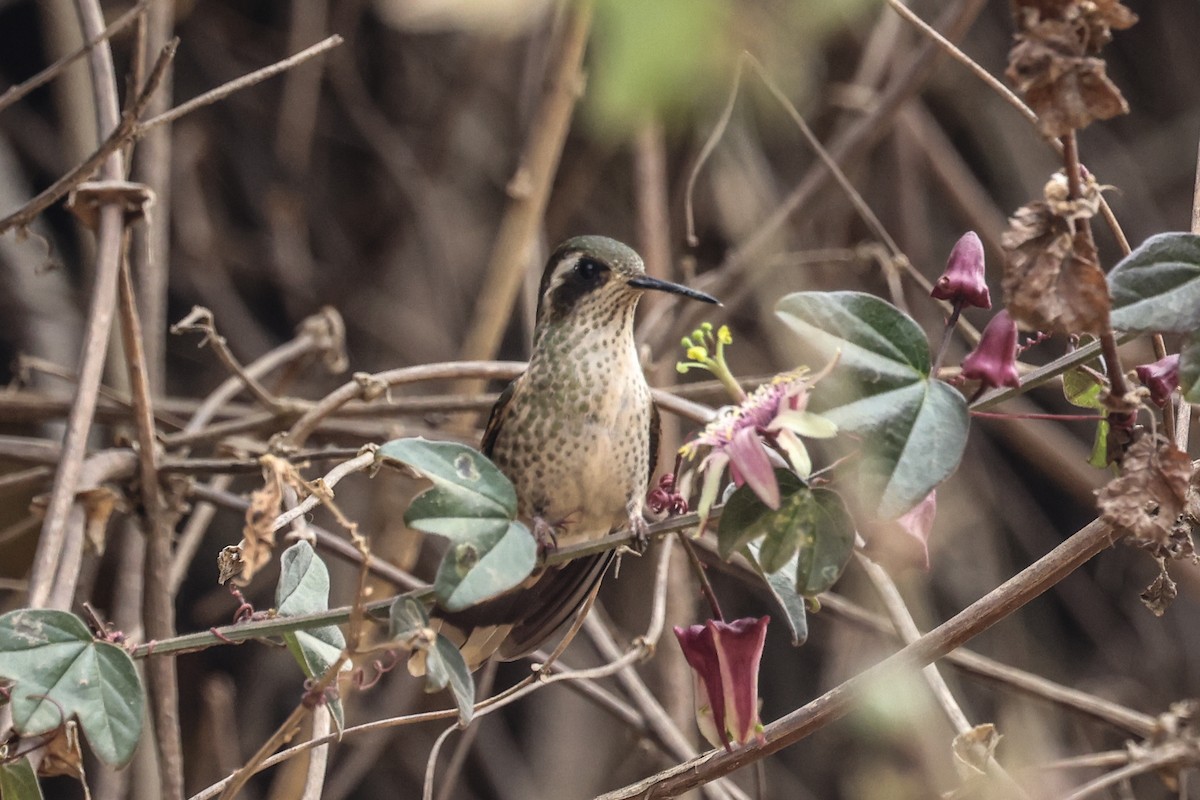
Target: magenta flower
x=962, y=283
x=740, y=435
x=1161, y=378
x=724, y=658
x=993, y=362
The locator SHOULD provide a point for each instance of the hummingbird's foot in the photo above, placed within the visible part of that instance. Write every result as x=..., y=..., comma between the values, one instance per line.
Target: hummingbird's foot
x=641, y=533
x=546, y=536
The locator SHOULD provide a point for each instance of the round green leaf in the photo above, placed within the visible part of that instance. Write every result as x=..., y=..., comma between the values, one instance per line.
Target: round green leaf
x=825, y=545
x=1157, y=286
x=490, y=563
x=59, y=671
x=465, y=483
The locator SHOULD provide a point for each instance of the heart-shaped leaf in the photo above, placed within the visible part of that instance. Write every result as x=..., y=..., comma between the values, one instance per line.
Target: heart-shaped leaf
x=304, y=589
x=474, y=505
x=913, y=429
x=466, y=485
x=18, y=781
x=492, y=562
x=1157, y=286
x=59, y=671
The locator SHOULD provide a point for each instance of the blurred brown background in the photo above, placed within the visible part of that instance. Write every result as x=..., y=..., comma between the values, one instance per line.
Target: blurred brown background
x=372, y=180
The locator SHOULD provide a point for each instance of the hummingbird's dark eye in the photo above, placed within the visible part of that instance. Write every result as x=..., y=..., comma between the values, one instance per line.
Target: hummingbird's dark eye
x=589, y=270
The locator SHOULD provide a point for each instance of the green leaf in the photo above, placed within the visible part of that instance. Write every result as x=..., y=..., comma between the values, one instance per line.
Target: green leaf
x=473, y=505
x=810, y=536
x=474, y=571
x=18, y=781
x=782, y=585
x=1157, y=286
x=406, y=618
x=1189, y=368
x=304, y=589
x=913, y=429
x=746, y=519
x=466, y=485
x=1099, y=456
x=826, y=544
x=444, y=666
x=1080, y=386
x=59, y=671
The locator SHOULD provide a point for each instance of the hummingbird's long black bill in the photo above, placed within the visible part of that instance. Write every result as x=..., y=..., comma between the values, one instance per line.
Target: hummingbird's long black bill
x=646, y=282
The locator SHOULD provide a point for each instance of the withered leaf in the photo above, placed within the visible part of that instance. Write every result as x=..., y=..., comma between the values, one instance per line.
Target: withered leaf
x=1053, y=63
x=62, y=755
x=229, y=563
x=1162, y=590
x=1051, y=279
x=1150, y=493
x=98, y=506
x=258, y=535
x=973, y=750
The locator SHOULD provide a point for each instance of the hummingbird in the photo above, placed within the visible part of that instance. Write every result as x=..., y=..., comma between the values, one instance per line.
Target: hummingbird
x=577, y=434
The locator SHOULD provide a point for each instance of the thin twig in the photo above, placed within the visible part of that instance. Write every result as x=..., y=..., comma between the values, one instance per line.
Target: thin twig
x=119, y=135
x=1163, y=758
x=236, y=85
x=158, y=607
x=14, y=93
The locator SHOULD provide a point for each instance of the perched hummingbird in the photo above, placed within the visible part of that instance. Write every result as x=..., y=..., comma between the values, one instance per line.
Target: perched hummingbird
x=577, y=434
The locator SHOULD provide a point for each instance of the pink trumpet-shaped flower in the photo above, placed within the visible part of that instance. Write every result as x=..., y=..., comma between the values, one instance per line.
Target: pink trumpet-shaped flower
x=1160, y=377
x=962, y=283
x=993, y=362
x=724, y=657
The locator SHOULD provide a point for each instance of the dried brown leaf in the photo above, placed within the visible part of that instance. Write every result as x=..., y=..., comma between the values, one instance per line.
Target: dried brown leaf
x=98, y=507
x=1052, y=62
x=1162, y=590
x=973, y=750
x=229, y=563
x=258, y=534
x=1051, y=279
x=1148, y=496
x=62, y=755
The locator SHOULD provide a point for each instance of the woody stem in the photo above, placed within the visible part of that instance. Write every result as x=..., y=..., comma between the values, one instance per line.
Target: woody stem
x=697, y=567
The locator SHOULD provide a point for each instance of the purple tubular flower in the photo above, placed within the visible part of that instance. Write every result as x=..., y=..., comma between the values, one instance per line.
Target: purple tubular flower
x=1161, y=378
x=994, y=361
x=724, y=657
x=962, y=283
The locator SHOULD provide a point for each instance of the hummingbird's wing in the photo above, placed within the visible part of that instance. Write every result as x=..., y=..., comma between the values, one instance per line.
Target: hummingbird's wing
x=499, y=410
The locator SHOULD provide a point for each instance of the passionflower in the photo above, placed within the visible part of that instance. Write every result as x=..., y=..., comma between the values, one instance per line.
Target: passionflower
x=739, y=436
x=724, y=657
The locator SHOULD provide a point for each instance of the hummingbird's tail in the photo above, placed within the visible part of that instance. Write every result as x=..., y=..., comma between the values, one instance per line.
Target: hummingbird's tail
x=518, y=622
